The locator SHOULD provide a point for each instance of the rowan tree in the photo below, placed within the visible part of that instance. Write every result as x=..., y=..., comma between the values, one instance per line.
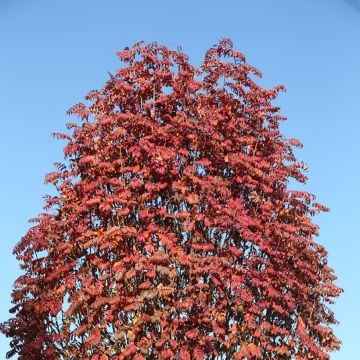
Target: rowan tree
x=173, y=233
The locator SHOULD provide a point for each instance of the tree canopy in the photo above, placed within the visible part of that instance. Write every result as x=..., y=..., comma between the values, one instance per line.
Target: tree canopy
x=173, y=233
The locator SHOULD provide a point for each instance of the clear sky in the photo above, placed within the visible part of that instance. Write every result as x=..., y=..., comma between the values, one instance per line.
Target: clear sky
x=54, y=52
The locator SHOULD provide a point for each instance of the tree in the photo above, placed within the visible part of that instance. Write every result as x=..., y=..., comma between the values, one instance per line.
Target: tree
x=173, y=233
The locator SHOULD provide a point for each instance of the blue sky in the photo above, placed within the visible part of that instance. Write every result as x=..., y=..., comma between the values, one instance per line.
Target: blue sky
x=54, y=52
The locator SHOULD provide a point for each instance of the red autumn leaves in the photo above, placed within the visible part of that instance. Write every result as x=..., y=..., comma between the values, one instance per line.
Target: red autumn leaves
x=173, y=234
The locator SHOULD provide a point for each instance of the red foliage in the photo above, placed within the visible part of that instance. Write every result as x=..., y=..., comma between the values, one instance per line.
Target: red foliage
x=174, y=233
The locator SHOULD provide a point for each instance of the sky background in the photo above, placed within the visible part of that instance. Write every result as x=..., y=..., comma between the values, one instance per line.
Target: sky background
x=53, y=52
